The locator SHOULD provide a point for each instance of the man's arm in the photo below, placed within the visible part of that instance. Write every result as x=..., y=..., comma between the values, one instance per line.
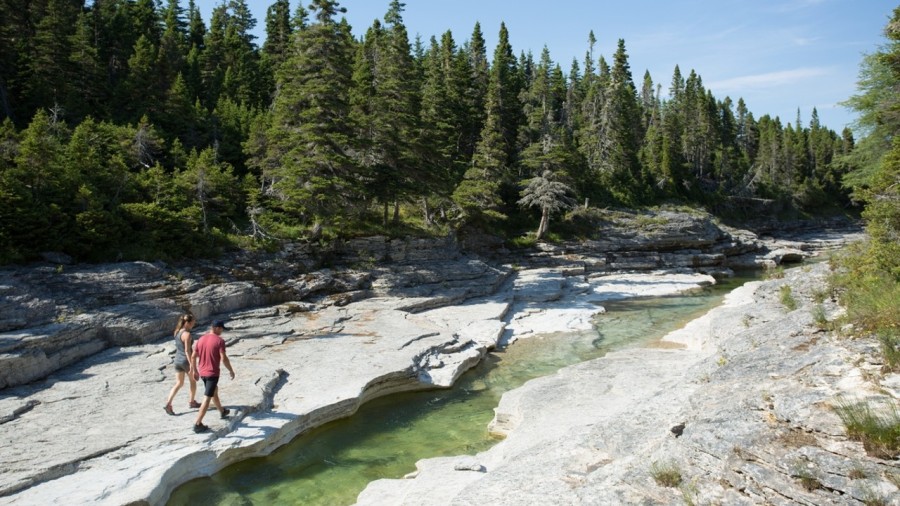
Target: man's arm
x=194, y=370
x=227, y=363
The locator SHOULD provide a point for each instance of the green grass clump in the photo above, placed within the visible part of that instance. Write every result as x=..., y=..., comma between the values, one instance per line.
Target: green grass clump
x=870, y=294
x=666, y=474
x=786, y=297
x=819, y=317
x=877, y=429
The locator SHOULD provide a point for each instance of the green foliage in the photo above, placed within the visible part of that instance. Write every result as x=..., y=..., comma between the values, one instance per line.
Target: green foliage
x=786, y=296
x=316, y=134
x=870, y=296
x=877, y=427
x=882, y=213
x=819, y=317
x=666, y=474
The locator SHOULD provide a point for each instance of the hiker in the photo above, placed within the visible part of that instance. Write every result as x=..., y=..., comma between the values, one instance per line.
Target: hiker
x=184, y=361
x=209, y=353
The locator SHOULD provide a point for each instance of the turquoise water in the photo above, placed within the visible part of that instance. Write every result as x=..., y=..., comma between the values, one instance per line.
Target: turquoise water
x=331, y=465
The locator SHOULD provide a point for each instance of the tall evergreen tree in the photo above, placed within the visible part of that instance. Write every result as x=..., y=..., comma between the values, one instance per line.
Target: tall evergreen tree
x=393, y=161
x=475, y=51
x=316, y=181
x=443, y=115
x=89, y=93
x=506, y=84
x=278, y=39
x=49, y=66
x=620, y=133
x=173, y=46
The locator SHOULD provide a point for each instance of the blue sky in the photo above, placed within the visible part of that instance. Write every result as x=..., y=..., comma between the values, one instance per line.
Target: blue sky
x=780, y=56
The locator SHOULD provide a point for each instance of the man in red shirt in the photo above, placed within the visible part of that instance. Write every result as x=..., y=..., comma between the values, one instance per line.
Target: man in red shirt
x=209, y=352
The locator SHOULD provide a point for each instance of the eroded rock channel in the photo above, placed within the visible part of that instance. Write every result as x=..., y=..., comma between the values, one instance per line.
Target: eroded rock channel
x=85, y=362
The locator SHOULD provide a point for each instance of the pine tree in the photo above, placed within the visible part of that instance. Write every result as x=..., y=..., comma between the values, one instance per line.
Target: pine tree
x=88, y=92
x=212, y=58
x=396, y=172
x=172, y=47
x=196, y=29
x=49, y=67
x=479, y=193
x=240, y=58
x=145, y=20
x=476, y=63
x=442, y=115
x=506, y=84
x=210, y=189
x=620, y=133
x=548, y=194
x=142, y=95
x=278, y=38
x=39, y=191
x=316, y=181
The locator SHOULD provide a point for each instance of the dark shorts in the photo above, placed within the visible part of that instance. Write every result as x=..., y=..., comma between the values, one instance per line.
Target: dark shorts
x=182, y=366
x=210, y=383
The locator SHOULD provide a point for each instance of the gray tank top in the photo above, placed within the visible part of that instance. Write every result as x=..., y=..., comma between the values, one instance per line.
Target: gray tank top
x=180, y=355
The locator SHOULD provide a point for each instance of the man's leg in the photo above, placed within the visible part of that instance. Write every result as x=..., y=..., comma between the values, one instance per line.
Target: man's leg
x=211, y=385
x=215, y=400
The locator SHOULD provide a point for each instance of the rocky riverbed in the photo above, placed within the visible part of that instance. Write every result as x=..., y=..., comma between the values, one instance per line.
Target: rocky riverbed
x=739, y=403
x=85, y=365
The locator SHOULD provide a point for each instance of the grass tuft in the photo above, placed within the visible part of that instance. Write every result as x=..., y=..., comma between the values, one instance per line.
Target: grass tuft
x=786, y=297
x=877, y=429
x=666, y=474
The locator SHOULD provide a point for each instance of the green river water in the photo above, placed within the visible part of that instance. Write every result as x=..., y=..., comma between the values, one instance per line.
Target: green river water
x=331, y=465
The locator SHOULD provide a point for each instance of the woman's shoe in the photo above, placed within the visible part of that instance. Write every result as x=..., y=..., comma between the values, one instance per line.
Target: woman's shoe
x=193, y=404
x=169, y=410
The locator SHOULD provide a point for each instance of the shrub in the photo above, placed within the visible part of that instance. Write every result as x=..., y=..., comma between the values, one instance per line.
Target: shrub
x=870, y=295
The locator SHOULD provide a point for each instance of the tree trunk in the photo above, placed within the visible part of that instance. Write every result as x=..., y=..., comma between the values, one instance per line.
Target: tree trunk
x=545, y=222
x=427, y=211
x=396, y=211
x=384, y=218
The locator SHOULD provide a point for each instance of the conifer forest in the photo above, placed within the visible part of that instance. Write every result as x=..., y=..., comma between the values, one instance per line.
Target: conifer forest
x=132, y=129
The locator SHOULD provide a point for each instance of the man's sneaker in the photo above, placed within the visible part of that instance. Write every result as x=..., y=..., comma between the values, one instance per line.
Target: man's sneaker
x=199, y=428
x=225, y=413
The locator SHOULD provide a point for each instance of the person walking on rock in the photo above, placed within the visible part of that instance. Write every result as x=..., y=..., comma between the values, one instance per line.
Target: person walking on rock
x=209, y=353
x=184, y=361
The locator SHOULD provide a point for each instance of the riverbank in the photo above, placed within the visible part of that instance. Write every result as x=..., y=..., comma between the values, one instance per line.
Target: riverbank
x=739, y=406
x=86, y=372
x=97, y=433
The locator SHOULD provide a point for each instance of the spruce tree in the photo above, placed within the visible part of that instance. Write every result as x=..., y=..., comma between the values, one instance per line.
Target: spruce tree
x=476, y=63
x=315, y=182
x=278, y=38
x=49, y=66
x=620, y=133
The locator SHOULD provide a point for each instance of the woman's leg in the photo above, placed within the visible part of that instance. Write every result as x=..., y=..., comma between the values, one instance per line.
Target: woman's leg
x=179, y=381
x=193, y=386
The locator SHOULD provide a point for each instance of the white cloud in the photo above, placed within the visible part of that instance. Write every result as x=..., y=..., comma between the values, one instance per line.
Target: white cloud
x=767, y=80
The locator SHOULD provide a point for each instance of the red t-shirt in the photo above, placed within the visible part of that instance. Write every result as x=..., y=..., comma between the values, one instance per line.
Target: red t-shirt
x=209, y=351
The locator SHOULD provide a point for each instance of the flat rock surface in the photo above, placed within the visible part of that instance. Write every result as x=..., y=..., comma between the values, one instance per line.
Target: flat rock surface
x=95, y=432
x=738, y=404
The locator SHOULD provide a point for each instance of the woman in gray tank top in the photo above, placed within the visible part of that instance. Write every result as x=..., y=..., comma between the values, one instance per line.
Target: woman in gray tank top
x=184, y=350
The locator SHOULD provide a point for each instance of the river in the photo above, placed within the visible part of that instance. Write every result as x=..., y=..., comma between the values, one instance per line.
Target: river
x=331, y=465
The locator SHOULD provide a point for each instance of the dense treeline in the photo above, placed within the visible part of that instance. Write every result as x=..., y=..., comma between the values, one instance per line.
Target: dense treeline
x=134, y=130
x=868, y=275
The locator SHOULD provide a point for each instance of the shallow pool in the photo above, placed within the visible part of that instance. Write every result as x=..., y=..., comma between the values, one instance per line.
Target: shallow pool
x=331, y=465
